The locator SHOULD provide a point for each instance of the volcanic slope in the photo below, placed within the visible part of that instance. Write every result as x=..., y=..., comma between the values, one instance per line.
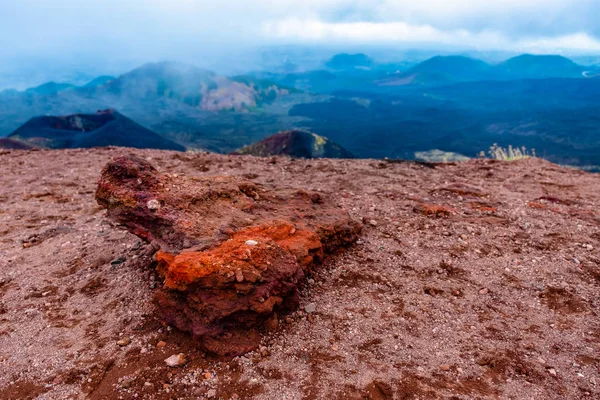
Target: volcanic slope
x=469, y=280
x=104, y=128
x=297, y=144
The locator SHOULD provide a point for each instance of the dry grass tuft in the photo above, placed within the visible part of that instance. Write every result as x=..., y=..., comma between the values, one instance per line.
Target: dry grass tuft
x=508, y=154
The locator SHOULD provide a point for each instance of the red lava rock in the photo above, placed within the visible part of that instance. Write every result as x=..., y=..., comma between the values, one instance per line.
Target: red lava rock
x=542, y=206
x=481, y=206
x=232, y=253
x=535, y=204
x=433, y=210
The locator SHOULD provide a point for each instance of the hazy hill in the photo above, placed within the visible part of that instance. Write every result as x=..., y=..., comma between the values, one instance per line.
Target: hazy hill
x=50, y=88
x=344, y=61
x=105, y=128
x=99, y=81
x=297, y=144
x=442, y=70
x=452, y=68
x=192, y=86
x=539, y=66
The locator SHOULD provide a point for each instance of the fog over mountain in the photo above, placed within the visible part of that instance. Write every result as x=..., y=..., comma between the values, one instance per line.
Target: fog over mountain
x=111, y=37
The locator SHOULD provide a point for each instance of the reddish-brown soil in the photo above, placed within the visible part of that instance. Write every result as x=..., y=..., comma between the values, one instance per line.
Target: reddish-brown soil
x=476, y=280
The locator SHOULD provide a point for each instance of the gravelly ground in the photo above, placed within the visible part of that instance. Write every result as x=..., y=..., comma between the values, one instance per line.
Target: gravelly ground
x=497, y=300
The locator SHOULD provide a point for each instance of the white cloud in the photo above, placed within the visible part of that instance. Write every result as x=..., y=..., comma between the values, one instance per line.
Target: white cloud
x=298, y=30
x=164, y=28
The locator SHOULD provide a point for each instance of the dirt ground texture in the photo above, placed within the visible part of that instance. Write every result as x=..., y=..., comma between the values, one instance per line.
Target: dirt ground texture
x=474, y=280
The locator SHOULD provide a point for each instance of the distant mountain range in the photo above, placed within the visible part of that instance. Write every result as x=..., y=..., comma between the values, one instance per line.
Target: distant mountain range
x=450, y=103
x=447, y=69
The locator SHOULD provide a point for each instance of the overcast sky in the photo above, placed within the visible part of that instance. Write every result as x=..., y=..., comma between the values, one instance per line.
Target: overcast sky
x=163, y=29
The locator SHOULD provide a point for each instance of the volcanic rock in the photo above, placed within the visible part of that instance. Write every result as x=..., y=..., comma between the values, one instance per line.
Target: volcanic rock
x=232, y=253
x=176, y=360
x=433, y=210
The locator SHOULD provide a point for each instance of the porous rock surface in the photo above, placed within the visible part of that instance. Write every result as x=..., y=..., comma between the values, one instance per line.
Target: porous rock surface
x=231, y=254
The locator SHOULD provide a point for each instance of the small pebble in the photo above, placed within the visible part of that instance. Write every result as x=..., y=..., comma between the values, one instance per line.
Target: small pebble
x=124, y=342
x=484, y=291
x=153, y=205
x=118, y=261
x=445, y=367
x=176, y=360
x=264, y=351
x=161, y=344
x=239, y=276
x=310, y=308
x=251, y=243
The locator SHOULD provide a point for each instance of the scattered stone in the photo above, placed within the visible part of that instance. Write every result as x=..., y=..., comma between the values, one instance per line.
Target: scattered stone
x=433, y=210
x=176, y=360
x=484, y=291
x=445, y=367
x=310, y=308
x=118, y=261
x=161, y=344
x=251, y=243
x=153, y=205
x=264, y=351
x=373, y=222
x=552, y=371
x=124, y=342
x=207, y=375
x=239, y=276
